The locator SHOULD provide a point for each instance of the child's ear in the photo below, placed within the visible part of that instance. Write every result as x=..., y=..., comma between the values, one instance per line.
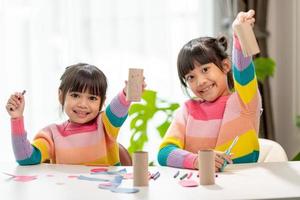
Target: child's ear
x=60, y=97
x=226, y=64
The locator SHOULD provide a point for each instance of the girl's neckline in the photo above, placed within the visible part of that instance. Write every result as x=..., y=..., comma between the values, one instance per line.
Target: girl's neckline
x=218, y=100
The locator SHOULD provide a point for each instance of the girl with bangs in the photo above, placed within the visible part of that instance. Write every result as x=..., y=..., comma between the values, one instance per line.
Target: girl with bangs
x=225, y=107
x=88, y=137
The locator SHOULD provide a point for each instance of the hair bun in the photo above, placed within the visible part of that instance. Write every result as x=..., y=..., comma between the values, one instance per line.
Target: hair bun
x=222, y=40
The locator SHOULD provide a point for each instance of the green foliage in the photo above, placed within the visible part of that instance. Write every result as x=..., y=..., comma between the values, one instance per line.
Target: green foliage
x=142, y=113
x=297, y=157
x=298, y=121
x=264, y=68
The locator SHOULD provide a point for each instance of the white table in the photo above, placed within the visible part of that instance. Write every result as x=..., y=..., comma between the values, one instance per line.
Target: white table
x=244, y=181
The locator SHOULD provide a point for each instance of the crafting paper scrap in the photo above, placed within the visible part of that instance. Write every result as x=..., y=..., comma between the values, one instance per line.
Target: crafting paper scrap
x=122, y=171
x=72, y=176
x=24, y=178
x=21, y=178
x=86, y=178
x=99, y=169
x=119, y=190
x=125, y=190
x=188, y=183
x=117, y=180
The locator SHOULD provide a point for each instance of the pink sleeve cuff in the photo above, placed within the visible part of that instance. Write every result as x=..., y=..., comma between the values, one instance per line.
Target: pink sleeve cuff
x=122, y=99
x=17, y=126
x=189, y=161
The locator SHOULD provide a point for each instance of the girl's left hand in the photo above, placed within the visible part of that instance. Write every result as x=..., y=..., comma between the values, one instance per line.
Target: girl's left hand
x=244, y=17
x=144, y=85
x=220, y=159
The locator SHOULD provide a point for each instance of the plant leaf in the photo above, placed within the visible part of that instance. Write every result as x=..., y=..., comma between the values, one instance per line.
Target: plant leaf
x=162, y=129
x=264, y=68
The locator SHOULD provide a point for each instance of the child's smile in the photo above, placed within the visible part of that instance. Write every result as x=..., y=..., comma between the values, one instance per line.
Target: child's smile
x=81, y=114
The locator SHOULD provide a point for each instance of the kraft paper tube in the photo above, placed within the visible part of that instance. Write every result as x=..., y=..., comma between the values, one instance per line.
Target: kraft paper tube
x=140, y=168
x=135, y=84
x=206, y=165
x=247, y=39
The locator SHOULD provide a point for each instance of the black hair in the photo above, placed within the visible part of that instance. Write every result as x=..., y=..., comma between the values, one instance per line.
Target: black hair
x=83, y=77
x=203, y=50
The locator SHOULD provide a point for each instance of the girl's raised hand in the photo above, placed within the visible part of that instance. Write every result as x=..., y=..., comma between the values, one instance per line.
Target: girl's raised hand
x=244, y=17
x=15, y=105
x=143, y=86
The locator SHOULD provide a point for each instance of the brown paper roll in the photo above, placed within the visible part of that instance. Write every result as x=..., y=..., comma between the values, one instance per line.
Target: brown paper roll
x=247, y=39
x=140, y=168
x=135, y=84
x=206, y=166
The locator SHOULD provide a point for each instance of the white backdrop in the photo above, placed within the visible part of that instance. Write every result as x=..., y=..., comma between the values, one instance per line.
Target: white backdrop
x=39, y=38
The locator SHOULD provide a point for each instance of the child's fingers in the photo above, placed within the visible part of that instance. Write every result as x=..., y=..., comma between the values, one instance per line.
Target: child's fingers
x=219, y=161
x=217, y=169
x=14, y=101
x=250, y=13
x=227, y=158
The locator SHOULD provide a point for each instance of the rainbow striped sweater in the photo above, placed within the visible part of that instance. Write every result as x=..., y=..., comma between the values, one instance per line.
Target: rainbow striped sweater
x=94, y=143
x=204, y=125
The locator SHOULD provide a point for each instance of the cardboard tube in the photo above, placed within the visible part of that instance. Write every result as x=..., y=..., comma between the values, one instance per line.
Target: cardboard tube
x=206, y=166
x=140, y=168
x=135, y=84
x=247, y=39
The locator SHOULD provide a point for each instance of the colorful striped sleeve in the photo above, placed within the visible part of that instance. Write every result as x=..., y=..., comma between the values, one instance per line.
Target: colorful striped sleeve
x=246, y=86
x=171, y=152
x=115, y=114
x=245, y=81
x=25, y=153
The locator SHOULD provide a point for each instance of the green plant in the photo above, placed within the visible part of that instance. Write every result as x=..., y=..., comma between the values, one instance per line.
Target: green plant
x=264, y=67
x=297, y=157
x=142, y=113
x=298, y=121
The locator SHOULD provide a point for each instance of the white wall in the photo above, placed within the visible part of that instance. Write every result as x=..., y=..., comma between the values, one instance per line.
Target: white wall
x=284, y=47
x=39, y=38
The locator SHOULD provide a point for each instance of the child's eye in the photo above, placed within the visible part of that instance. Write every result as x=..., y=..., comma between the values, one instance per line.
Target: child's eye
x=189, y=78
x=93, y=98
x=74, y=95
x=204, y=70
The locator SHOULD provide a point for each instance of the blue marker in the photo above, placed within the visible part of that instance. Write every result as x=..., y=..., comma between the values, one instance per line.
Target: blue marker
x=228, y=151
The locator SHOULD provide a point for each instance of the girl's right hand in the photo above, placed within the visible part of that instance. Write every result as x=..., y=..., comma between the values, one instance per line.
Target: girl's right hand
x=220, y=157
x=15, y=105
